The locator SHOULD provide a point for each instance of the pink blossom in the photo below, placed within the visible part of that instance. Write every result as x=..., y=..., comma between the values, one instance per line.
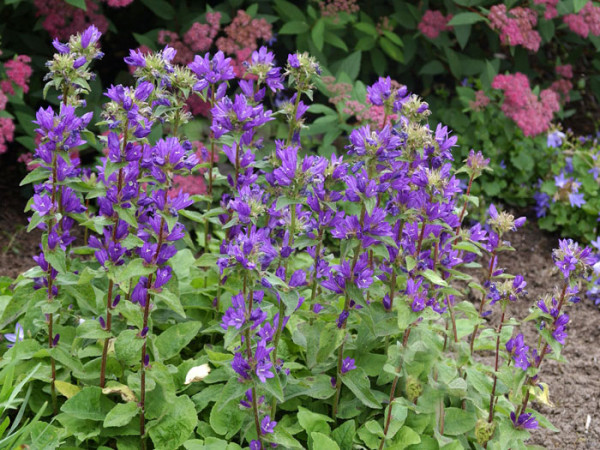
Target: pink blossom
x=332, y=8
x=200, y=36
x=19, y=71
x=61, y=20
x=550, y=11
x=26, y=159
x=184, y=55
x=516, y=26
x=244, y=32
x=197, y=106
x=565, y=71
x=531, y=114
x=7, y=130
x=586, y=22
x=433, y=23
x=480, y=102
x=3, y=101
x=562, y=88
x=118, y=3
x=340, y=92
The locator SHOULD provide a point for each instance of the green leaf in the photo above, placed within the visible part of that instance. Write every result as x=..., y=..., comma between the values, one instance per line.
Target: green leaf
x=172, y=301
x=432, y=68
x=311, y=421
x=579, y=4
x=458, y=421
x=128, y=347
x=121, y=414
x=294, y=27
x=358, y=382
x=318, y=34
x=37, y=174
x=134, y=269
x=350, y=65
x=78, y=4
x=462, y=33
x=434, y=277
x=88, y=404
x=227, y=420
x=391, y=49
x=161, y=8
x=323, y=442
x=175, y=338
x=175, y=427
x=467, y=18
x=344, y=434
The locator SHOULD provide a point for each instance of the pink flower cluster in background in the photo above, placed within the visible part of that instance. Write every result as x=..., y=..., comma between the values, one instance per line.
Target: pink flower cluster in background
x=585, y=22
x=480, y=102
x=564, y=85
x=61, y=20
x=516, y=26
x=118, y=3
x=532, y=115
x=18, y=72
x=241, y=37
x=550, y=11
x=199, y=38
x=332, y=8
x=433, y=23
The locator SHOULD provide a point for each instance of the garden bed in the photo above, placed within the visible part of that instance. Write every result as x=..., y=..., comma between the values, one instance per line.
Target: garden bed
x=574, y=388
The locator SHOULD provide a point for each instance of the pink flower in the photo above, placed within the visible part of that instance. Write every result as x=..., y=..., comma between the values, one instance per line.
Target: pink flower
x=3, y=100
x=19, y=71
x=565, y=71
x=201, y=36
x=586, y=22
x=332, y=8
x=7, y=130
x=531, y=114
x=480, y=102
x=550, y=10
x=118, y=3
x=433, y=23
x=515, y=26
x=61, y=20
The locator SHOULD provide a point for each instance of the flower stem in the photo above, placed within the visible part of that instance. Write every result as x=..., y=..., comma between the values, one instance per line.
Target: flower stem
x=464, y=208
x=545, y=350
x=388, y=419
x=482, y=305
x=492, y=395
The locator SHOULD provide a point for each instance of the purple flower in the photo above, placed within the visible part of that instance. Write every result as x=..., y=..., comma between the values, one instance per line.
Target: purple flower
x=518, y=350
x=555, y=139
x=15, y=337
x=241, y=366
x=211, y=71
x=348, y=365
x=576, y=200
x=267, y=426
x=380, y=91
x=526, y=421
x=90, y=36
